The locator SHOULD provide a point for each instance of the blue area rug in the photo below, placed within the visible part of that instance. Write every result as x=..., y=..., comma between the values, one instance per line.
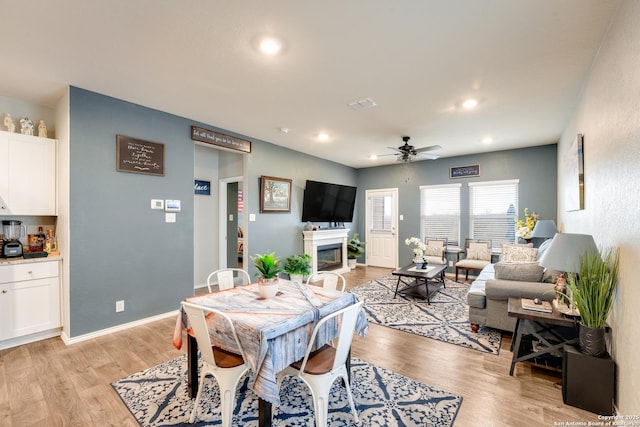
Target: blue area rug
x=446, y=319
x=158, y=397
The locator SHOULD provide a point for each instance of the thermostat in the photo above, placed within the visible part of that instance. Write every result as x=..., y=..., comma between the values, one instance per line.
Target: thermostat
x=172, y=205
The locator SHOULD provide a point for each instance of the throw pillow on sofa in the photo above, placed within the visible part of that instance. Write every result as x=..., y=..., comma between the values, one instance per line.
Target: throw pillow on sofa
x=519, y=271
x=518, y=253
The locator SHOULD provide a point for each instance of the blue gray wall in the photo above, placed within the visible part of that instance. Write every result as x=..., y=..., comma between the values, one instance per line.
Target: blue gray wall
x=120, y=249
x=535, y=167
x=282, y=232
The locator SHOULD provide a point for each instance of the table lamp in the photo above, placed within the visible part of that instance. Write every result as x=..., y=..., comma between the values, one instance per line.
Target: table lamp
x=566, y=250
x=564, y=254
x=545, y=229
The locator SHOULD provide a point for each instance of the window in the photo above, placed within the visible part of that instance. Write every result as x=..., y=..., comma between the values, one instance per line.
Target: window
x=492, y=211
x=440, y=212
x=381, y=217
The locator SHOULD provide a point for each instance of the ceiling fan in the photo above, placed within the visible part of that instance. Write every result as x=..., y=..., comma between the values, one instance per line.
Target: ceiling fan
x=407, y=153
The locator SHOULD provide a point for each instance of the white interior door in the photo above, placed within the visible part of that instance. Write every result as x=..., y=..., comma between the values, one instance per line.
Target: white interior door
x=381, y=225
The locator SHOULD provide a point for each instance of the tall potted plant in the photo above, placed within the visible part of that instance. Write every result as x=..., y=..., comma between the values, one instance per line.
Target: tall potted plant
x=298, y=266
x=355, y=248
x=592, y=292
x=268, y=267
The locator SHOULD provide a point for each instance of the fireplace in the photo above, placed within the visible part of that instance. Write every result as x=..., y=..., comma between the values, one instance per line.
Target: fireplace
x=329, y=257
x=328, y=249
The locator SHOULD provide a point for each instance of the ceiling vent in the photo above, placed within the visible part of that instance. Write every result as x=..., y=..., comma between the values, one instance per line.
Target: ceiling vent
x=362, y=104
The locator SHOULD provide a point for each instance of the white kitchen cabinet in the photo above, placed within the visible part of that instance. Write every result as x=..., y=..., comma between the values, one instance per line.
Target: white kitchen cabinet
x=27, y=175
x=29, y=298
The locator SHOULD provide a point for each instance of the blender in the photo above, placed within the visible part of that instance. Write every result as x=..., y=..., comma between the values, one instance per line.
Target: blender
x=12, y=230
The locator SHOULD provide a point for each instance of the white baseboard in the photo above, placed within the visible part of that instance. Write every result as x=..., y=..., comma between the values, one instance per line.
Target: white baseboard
x=15, y=342
x=92, y=335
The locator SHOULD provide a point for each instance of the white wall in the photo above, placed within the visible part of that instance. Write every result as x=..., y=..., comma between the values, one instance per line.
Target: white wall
x=205, y=226
x=608, y=114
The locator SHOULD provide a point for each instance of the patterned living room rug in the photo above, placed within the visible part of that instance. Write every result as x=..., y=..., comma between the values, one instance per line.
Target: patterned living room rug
x=158, y=397
x=446, y=319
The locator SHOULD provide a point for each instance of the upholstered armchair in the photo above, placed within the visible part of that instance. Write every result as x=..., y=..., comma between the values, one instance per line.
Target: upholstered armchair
x=477, y=256
x=436, y=250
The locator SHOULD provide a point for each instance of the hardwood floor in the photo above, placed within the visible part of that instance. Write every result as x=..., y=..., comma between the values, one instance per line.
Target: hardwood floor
x=50, y=384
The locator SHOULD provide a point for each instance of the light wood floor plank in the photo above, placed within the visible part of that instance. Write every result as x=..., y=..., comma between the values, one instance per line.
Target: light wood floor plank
x=50, y=384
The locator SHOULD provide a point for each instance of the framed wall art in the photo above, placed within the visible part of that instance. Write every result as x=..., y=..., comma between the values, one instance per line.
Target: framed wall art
x=573, y=165
x=275, y=194
x=139, y=156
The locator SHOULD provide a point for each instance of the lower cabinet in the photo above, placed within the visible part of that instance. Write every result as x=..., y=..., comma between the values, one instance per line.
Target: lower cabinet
x=29, y=298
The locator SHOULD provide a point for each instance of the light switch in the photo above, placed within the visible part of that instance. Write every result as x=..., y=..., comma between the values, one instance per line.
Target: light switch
x=401, y=218
x=252, y=217
x=230, y=217
x=157, y=204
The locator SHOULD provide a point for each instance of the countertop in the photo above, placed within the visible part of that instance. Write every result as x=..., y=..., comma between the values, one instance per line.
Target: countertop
x=20, y=260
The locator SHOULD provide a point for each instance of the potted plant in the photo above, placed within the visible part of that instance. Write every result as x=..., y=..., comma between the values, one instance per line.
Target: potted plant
x=592, y=292
x=298, y=266
x=268, y=267
x=355, y=248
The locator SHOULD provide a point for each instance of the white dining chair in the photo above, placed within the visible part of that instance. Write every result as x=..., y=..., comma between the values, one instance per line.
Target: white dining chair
x=225, y=366
x=225, y=278
x=320, y=368
x=330, y=280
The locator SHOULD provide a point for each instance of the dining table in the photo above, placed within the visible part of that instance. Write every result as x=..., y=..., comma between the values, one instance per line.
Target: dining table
x=273, y=332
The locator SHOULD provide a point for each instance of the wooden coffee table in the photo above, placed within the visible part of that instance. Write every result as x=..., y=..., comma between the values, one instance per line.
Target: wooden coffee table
x=431, y=278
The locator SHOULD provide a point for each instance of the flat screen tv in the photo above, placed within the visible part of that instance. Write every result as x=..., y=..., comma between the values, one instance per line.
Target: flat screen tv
x=324, y=202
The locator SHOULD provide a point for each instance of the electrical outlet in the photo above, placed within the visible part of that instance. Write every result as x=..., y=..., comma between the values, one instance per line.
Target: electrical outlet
x=119, y=306
x=450, y=263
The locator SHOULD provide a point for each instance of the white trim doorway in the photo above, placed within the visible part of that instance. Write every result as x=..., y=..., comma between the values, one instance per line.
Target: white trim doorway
x=223, y=217
x=381, y=225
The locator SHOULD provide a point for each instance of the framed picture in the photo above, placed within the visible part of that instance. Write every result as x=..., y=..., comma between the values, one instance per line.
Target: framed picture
x=464, y=171
x=275, y=194
x=573, y=163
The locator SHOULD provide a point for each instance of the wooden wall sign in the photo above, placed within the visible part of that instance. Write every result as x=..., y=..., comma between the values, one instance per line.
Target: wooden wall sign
x=220, y=139
x=139, y=156
x=464, y=171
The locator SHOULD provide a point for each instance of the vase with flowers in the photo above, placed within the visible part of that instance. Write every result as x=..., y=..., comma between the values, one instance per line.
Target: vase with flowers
x=525, y=226
x=419, y=247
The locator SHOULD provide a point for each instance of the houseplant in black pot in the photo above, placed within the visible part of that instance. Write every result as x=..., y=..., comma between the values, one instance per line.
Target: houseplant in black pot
x=268, y=267
x=355, y=248
x=592, y=292
x=298, y=266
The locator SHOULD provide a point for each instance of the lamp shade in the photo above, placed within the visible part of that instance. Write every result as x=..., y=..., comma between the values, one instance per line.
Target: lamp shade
x=566, y=250
x=545, y=228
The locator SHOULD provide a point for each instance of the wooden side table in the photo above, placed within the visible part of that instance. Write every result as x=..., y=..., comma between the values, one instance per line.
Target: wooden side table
x=552, y=330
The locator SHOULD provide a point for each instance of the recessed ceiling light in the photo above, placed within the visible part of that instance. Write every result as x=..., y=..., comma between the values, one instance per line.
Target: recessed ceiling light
x=487, y=140
x=323, y=137
x=470, y=103
x=270, y=45
x=373, y=156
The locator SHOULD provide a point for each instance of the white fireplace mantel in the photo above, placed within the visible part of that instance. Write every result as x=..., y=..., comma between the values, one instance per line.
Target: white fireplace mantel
x=313, y=239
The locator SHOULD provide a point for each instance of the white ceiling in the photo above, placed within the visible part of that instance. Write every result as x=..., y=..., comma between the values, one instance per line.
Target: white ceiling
x=524, y=60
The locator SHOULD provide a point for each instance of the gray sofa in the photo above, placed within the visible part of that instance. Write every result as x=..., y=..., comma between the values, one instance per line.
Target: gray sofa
x=488, y=295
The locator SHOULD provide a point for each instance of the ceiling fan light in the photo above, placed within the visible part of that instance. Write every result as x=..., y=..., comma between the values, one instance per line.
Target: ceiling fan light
x=470, y=104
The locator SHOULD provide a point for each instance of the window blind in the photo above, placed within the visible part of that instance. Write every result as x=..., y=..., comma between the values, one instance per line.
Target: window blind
x=492, y=209
x=440, y=212
x=380, y=216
